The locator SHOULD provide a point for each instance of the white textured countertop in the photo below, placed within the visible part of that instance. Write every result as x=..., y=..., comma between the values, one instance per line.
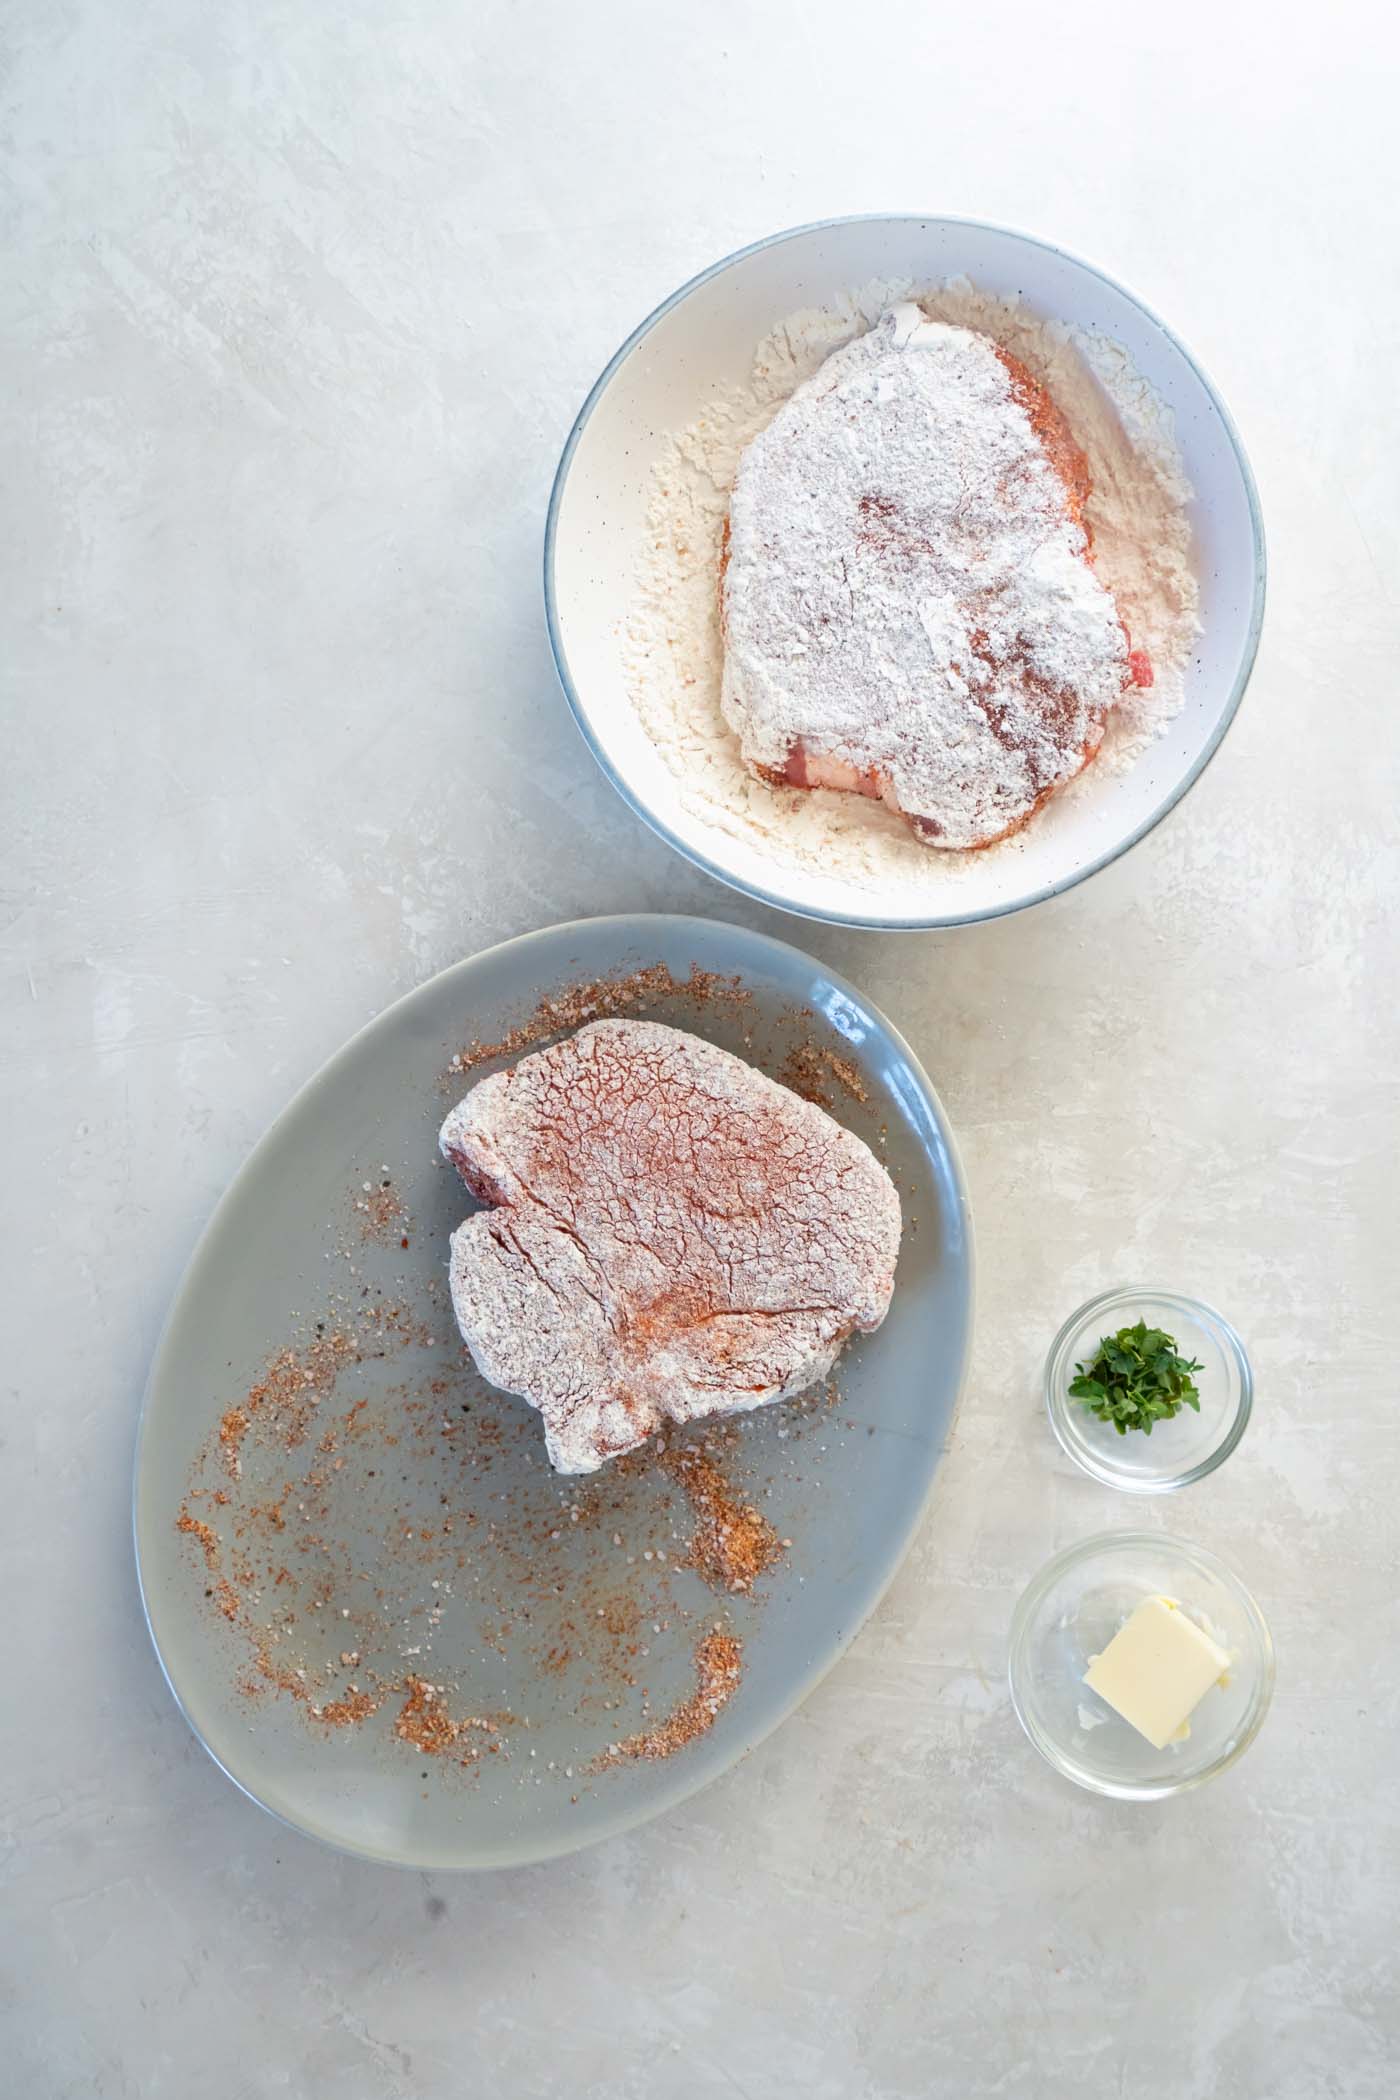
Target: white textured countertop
x=298, y=304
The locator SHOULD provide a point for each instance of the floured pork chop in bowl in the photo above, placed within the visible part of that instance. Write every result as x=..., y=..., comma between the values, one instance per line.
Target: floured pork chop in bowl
x=910, y=604
x=670, y=1235
x=903, y=572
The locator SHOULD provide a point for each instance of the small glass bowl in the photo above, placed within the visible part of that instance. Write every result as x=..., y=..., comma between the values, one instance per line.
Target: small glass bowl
x=1181, y=1450
x=1071, y=1612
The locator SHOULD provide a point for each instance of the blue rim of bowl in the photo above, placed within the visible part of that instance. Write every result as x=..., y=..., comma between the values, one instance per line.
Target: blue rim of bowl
x=1056, y=1404
x=646, y=1812
x=1034, y=1594
x=892, y=923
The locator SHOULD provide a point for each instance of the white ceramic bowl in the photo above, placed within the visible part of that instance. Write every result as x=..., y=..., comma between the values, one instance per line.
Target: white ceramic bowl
x=703, y=339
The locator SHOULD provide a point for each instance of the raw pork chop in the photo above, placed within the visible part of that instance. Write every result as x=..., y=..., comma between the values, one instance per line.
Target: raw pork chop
x=672, y=1235
x=910, y=606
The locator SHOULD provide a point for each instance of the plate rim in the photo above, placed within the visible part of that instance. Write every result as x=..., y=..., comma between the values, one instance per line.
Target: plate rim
x=646, y=1811
x=895, y=922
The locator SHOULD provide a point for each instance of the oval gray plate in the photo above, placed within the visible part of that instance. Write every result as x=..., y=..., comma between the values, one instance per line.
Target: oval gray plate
x=512, y=1628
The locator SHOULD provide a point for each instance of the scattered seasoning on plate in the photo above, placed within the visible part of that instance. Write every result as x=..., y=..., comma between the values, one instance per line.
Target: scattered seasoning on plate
x=425, y=1722
x=381, y=1213
x=208, y=1538
x=356, y=1706
x=733, y=1544
x=561, y=1013
x=809, y=1068
x=718, y=1668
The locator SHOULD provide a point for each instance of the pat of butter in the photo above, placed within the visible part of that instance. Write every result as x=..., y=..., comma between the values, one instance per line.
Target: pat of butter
x=1157, y=1669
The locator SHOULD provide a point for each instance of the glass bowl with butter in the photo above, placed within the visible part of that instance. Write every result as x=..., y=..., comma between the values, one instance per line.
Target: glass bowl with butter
x=1177, y=1451
x=1140, y=1665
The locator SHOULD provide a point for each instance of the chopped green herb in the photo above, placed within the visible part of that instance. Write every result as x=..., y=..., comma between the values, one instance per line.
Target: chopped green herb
x=1137, y=1378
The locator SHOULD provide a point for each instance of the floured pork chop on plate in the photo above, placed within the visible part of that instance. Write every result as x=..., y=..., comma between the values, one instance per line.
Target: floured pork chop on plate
x=670, y=1235
x=910, y=605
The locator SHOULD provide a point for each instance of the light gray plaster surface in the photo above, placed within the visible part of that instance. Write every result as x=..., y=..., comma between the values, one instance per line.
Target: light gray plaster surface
x=298, y=302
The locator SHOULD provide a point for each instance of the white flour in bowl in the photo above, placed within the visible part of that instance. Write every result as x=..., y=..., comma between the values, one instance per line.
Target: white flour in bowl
x=672, y=648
